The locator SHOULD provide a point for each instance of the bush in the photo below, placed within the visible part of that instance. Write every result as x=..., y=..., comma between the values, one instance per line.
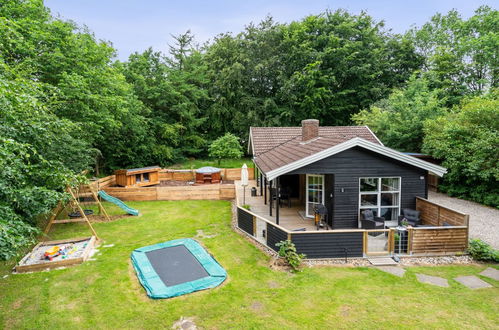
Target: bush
x=226, y=146
x=466, y=140
x=287, y=250
x=480, y=250
x=14, y=233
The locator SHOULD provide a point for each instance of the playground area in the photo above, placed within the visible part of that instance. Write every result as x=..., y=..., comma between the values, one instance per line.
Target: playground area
x=104, y=291
x=84, y=206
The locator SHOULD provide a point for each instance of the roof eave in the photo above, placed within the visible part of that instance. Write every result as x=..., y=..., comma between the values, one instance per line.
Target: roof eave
x=357, y=142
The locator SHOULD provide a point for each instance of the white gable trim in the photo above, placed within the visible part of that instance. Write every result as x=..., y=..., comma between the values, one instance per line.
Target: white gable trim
x=374, y=135
x=250, y=143
x=357, y=142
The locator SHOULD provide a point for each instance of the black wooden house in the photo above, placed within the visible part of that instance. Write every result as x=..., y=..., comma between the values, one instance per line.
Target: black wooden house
x=347, y=169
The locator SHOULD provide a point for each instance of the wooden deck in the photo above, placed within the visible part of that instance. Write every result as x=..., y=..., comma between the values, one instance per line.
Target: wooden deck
x=289, y=217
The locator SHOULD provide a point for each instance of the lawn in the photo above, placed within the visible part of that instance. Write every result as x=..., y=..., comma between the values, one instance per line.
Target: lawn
x=224, y=163
x=104, y=293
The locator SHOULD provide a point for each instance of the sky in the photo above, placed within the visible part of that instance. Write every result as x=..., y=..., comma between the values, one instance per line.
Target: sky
x=135, y=25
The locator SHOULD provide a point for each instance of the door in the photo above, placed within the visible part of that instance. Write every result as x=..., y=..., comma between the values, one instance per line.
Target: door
x=314, y=193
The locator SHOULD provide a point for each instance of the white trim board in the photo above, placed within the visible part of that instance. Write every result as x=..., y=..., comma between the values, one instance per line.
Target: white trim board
x=357, y=142
x=250, y=143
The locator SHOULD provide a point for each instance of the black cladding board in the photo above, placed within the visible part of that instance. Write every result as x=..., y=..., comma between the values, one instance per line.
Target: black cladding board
x=175, y=265
x=350, y=165
x=329, y=244
x=245, y=221
x=274, y=236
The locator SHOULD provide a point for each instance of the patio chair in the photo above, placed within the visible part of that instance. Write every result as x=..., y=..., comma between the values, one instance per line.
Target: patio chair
x=369, y=221
x=285, y=195
x=411, y=216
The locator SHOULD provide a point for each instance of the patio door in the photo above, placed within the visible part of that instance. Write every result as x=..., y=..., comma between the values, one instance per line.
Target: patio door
x=314, y=193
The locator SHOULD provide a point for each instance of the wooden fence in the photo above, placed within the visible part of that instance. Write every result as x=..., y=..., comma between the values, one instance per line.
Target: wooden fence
x=340, y=243
x=194, y=192
x=438, y=215
x=190, y=175
x=438, y=240
x=209, y=191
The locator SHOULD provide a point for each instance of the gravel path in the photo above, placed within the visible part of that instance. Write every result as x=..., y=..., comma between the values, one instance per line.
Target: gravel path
x=484, y=221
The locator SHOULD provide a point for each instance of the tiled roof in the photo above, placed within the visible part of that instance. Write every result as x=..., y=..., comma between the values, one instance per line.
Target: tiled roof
x=275, y=147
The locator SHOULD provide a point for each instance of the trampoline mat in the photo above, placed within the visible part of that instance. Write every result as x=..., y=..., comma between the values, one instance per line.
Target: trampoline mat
x=175, y=265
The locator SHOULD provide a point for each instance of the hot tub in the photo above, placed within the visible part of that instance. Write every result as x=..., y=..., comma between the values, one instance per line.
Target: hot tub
x=208, y=174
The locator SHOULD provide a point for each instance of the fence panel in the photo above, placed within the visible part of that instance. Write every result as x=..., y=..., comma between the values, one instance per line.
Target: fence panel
x=437, y=215
x=443, y=240
x=329, y=244
x=274, y=236
x=245, y=221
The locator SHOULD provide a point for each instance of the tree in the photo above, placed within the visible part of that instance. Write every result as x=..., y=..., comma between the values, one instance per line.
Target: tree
x=466, y=140
x=39, y=155
x=460, y=56
x=226, y=146
x=398, y=120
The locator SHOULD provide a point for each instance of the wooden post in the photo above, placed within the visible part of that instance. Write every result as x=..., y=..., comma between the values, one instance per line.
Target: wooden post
x=391, y=241
x=261, y=184
x=271, y=197
x=101, y=208
x=364, y=243
x=83, y=213
x=409, y=239
x=254, y=227
x=58, y=209
x=277, y=200
x=265, y=191
x=467, y=220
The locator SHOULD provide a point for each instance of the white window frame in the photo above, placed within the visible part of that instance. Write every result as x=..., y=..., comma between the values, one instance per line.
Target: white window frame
x=378, y=193
x=306, y=192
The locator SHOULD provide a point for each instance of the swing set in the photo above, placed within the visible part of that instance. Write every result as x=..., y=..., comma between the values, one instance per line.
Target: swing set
x=79, y=197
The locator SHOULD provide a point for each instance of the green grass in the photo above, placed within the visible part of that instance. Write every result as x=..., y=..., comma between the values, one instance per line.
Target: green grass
x=225, y=163
x=104, y=293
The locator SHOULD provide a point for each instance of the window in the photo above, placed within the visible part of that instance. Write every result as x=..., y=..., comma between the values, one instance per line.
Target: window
x=315, y=193
x=381, y=195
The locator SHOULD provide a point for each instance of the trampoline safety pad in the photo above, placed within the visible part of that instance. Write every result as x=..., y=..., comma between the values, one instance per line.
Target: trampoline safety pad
x=176, y=268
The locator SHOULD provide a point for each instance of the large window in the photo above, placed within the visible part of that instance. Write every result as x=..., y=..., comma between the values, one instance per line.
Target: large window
x=381, y=195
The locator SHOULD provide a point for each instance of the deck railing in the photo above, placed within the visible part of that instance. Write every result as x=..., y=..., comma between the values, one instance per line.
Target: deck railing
x=340, y=243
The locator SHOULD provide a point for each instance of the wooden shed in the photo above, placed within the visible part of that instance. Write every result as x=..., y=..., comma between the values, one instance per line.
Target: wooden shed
x=138, y=177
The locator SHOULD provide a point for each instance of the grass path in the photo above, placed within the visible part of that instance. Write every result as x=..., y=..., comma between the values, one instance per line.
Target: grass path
x=105, y=294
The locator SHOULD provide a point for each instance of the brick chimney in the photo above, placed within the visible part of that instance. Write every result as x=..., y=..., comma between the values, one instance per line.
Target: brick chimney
x=309, y=129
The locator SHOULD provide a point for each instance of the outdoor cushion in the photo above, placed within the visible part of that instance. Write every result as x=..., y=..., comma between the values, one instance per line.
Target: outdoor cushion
x=368, y=215
x=411, y=215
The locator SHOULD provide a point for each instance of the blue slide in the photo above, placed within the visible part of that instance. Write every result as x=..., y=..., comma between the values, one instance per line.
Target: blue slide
x=118, y=202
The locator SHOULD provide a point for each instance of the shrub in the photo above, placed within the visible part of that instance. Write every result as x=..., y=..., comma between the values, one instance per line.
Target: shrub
x=287, y=250
x=226, y=146
x=480, y=250
x=466, y=140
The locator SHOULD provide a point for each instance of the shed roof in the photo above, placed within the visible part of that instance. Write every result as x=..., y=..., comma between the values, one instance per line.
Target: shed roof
x=140, y=169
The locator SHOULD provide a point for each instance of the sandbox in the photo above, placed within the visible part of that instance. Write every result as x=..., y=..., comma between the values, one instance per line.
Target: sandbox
x=77, y=250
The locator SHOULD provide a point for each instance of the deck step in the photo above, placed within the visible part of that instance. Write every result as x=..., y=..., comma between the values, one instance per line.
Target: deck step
x=385, y=261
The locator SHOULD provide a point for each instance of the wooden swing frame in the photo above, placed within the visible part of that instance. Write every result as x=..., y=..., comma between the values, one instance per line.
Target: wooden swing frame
x=75, y=200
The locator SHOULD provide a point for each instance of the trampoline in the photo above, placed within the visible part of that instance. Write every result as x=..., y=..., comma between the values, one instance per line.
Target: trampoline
x=176, y=268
